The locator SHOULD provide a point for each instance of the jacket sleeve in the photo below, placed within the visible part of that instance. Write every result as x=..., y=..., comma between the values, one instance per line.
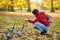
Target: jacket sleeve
x=37, y=19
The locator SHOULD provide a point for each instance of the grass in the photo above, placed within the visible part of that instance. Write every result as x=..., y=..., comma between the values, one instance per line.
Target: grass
x=2, y=39
x=8, y=21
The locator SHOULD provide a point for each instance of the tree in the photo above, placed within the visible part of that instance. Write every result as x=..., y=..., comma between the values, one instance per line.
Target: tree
x=52, y=8
x=11, y=8
x=28, y=1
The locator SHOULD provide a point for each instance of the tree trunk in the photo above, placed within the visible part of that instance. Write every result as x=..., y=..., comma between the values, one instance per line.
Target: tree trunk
x=52, y=8
x=11, y=8
x=29, y=10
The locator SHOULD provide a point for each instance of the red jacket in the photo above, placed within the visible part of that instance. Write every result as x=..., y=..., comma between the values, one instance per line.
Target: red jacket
x=40, y=17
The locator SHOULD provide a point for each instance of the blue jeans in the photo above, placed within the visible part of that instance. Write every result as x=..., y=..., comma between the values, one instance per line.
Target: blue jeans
x=40, y=26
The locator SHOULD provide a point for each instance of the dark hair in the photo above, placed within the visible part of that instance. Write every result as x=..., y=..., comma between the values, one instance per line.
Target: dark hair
x=35, y=11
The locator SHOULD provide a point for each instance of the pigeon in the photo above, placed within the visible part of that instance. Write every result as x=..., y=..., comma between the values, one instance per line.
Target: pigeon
x=12, y=29
x=23, y=28
x=8, y=36
x=18, y=33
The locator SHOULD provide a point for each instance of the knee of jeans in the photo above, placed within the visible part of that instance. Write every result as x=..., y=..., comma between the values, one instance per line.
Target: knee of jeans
x=37, y=23
x=35, y=27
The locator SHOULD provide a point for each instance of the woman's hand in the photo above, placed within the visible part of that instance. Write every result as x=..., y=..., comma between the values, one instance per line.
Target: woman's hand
x=26, y=20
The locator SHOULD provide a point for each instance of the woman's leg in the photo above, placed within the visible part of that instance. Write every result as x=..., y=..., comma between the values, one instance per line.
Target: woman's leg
x=41, y=27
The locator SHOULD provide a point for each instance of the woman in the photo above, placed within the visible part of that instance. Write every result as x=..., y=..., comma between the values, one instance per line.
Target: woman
x=41, y=22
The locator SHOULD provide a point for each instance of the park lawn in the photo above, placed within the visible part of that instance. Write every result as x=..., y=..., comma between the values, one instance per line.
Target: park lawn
x=8, y=21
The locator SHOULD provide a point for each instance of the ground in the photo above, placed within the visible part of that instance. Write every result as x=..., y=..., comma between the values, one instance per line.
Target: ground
x=8, y=19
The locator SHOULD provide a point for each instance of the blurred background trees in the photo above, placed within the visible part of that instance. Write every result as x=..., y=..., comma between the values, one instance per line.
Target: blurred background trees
x=28, y=5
